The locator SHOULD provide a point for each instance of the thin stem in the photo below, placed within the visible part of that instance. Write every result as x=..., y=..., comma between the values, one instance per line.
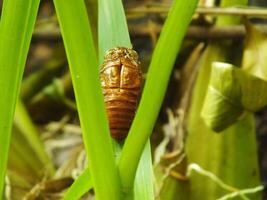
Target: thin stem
x=81, y=54
x=17, y=22
x=156, y=84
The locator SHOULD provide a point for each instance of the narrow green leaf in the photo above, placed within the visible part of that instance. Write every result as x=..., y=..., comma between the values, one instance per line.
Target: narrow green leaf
x=81, y=185
x=144, y=180
x=113, y=32
x=26, y=127
x=156, y=83
x=112, y=29
x=84, y=69
x=17, y=22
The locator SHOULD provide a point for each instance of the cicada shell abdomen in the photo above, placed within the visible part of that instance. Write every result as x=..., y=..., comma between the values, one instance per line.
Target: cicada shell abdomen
x=121, y=80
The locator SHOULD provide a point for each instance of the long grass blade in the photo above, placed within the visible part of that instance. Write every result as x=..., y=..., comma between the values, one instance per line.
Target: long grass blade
x=112, y=29
x=144, y=180
x=85, y=76
x=81, y=185
x=17, y=22
x=113, y=32
x=156, y=83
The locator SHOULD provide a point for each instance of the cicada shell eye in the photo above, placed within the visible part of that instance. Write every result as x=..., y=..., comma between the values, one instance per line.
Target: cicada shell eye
x=121, y=80
x=111, y=54
x=133, y=55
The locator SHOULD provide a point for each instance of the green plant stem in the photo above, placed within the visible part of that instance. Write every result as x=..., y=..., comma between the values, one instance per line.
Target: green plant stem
x=77, y=37
x=113, y=32
x=17, y=22
x=156, y=84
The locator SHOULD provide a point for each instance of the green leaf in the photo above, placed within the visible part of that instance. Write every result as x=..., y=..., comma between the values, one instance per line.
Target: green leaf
x=113, y=32
x=17, y=22
x=144, y=180
x=156, y=83
x=255, y=52
x=85, y=76
x=112, y=29
x=232, y=155
x=81, y=185
x=231, y=91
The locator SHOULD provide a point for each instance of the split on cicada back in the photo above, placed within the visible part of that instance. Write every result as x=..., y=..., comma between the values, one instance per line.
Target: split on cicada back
x=121, y=80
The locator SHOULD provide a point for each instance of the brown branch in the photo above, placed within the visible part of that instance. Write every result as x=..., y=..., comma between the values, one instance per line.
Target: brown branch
x=215, y=33
x=47, y=35
x=164, y=9
x=194, y=32
x=201, y=32
x=246, y=11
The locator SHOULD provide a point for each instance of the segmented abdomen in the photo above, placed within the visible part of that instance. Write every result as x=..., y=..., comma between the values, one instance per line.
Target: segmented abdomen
x=121, y=105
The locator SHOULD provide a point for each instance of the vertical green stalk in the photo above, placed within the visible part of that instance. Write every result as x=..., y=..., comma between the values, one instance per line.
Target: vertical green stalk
x=77, y=37
x=17, y=22
x=113, y=32
x=156, y=83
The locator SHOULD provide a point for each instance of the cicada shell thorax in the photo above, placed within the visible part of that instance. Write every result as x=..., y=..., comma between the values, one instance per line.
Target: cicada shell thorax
x=121, y=80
